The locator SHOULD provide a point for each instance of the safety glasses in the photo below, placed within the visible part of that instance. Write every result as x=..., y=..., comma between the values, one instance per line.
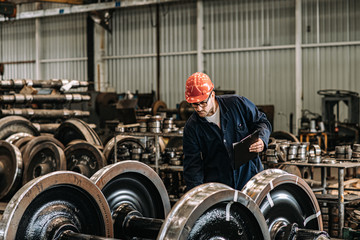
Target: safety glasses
x=203, y=103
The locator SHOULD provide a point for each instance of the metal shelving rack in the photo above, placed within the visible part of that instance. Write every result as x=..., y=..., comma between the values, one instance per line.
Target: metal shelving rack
x=156, y=137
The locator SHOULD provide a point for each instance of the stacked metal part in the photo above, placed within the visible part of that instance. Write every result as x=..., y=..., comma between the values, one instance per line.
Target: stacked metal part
x=150, y=124
x=356, y=151
x=314, y=154
x=143, y=149
x=20, y=98
x=174, y=183
x=143, y=123
x=293, y=149
x=169, y=125
x=272, y=155
x=283, y=150
x=302, y=152
x=154, y=124
x=277, y=151
x=343, y=152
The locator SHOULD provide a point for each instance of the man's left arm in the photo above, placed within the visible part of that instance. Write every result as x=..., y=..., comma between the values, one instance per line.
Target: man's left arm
x=258, y=120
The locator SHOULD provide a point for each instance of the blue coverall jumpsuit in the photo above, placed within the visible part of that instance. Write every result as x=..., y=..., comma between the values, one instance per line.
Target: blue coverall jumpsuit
x=208, y=152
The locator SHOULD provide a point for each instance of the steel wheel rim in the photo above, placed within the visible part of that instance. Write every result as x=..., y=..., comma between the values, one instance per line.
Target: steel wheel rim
x=117, y=182
x=185, y=213
x=273, y=187
x=13, y=224
x=11, y=160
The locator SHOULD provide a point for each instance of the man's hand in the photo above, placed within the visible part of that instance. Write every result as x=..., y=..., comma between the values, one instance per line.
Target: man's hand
x=257, y=146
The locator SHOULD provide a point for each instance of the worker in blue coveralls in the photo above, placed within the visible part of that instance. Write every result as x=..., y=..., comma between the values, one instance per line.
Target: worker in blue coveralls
x=209, y=134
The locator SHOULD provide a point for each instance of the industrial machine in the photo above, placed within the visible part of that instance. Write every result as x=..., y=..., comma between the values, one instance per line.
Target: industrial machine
x=340, y=131
x=7, y=9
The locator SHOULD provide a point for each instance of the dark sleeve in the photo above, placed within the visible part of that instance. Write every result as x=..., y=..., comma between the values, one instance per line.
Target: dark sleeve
x=193, y=163
x=258, y=120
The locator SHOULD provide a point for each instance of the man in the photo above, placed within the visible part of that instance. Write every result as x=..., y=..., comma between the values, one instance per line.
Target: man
x=209, y=133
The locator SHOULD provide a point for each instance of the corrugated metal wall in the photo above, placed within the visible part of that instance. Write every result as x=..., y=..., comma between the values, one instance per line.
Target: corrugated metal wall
x=331, y=35
x=62, y=52
x=238, y=50
x=249, y=47
x=131, y=50
x=17, y=51
x=178, y=49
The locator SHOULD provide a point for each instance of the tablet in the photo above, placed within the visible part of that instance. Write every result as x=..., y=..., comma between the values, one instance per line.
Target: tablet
x=241, y=149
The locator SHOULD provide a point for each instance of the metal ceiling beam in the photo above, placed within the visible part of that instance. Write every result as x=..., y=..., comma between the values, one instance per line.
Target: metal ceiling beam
x=84, y=8
x=299, y=101
x=54, y=1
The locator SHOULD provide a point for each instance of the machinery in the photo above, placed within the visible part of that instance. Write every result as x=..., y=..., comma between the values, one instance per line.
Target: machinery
x=8, y=9
x=341, y=131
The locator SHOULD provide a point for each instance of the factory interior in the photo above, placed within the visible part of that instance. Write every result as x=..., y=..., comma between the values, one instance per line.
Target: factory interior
x=94, y=106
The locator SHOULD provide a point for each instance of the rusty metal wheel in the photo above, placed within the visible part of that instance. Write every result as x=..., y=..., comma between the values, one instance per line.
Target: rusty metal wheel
x=157, y=107
x=50, y=205
x=185, y=110
x=292, y=169
x=21, y=143
x=44, y=158
x=11, y=167
x=17, y=136
x=16, y=124
x=214, y=211
x=33, y=142
x=76, y=129
x=284, y=199
x=83, y=157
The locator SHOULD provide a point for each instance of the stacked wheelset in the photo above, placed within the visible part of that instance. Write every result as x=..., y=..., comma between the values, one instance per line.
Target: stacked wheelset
x=26, y=154
x=128, y=200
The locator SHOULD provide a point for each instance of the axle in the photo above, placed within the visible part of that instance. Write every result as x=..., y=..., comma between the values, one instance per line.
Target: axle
x=283, y=231
x=42, y=98
x=130, y=222
x=70, y=235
